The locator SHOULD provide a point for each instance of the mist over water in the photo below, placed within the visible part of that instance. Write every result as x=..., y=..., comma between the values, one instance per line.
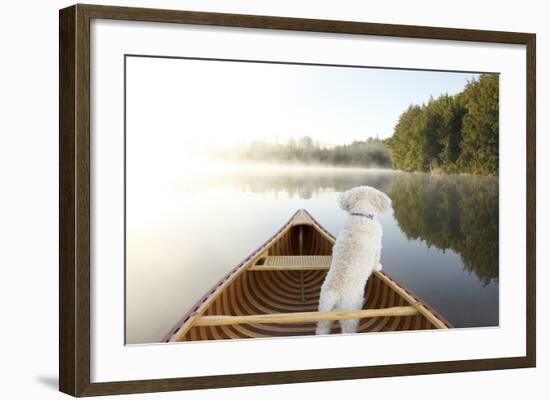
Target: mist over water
x=440, y=240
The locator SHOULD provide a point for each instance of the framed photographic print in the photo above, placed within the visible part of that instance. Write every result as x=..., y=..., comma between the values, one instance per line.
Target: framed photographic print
x=250, y=200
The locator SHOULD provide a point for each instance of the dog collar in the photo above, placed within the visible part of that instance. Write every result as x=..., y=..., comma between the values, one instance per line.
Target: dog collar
x=368, y=216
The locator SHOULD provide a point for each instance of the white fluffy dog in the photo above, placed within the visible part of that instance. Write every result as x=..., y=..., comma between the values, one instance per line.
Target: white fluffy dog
x=355, y=255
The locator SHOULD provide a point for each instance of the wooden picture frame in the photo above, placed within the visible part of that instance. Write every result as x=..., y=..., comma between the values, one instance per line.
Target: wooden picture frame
x=74, y=199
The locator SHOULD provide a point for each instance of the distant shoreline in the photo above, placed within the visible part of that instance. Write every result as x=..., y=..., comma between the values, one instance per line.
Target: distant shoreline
x=320, y=166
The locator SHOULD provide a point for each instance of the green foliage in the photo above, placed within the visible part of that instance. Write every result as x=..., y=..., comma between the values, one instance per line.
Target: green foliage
x=451, y=134
x=369, y=153
x=480, y=126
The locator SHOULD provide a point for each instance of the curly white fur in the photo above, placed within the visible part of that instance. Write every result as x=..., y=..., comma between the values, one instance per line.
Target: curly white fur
x=356, y=254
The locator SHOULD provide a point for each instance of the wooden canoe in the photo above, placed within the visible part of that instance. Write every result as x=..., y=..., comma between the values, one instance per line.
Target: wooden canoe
x=275, y=292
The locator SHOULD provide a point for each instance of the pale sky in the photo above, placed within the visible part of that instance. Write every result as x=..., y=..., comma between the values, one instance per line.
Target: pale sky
x=195, y=103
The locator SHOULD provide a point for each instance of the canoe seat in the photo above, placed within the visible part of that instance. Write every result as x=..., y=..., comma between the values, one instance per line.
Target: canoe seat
x=299, y=262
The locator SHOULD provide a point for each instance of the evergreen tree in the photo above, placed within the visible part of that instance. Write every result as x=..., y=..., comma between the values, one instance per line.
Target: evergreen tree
x=451, y=133
x=479, y=146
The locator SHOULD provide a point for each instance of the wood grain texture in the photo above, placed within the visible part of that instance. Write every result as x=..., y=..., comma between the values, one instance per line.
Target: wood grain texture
x=181, y=328
x=82, y=201
x=74, y=198
x=305, y=317
x=301, y=24
x=67, y=288
x=531, y=229
x=301, y=376
x=260, y=301
x=74, y=206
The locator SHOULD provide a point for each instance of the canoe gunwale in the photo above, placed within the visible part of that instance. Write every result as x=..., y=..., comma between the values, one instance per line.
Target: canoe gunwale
x=178, y=330
x=422, y=306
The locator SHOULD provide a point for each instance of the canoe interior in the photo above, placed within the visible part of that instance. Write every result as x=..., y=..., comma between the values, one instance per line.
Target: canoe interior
x=266, y=292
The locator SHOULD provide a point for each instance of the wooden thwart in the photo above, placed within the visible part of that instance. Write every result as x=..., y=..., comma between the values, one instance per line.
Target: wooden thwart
x=304, y=317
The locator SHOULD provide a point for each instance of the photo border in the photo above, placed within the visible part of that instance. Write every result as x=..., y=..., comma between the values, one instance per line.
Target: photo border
x=74, y=198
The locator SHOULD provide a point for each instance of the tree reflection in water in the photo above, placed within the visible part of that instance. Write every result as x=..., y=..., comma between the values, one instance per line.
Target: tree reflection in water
x=453, y=212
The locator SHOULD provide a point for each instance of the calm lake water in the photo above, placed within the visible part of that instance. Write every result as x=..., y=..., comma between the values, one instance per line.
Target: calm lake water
x=440, y=240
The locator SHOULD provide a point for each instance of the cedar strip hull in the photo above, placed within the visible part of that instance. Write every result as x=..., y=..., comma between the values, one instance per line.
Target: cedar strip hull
x=249, y=290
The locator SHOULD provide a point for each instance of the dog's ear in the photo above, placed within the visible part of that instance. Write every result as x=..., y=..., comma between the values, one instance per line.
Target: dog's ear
x=381, y=201
x=344, y=200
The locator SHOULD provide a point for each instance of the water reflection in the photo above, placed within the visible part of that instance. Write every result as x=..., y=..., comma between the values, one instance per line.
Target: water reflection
x=453, y=212
x=300, y=182
x=440, y=241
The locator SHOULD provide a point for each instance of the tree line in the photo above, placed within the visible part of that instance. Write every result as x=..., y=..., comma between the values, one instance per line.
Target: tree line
x=451, y=134
x=369, y=153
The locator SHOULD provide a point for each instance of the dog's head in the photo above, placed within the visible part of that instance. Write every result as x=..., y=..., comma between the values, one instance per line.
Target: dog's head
x=364, y=199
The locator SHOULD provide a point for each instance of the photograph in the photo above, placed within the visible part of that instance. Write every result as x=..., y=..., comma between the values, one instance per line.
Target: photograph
x=273, y=199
